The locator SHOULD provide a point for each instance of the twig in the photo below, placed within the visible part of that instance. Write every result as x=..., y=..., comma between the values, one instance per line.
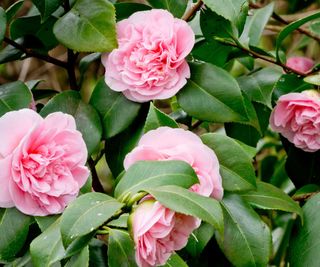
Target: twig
x=71, y=71
x=283, y=21
x=196, y=125
x=189, y=14
x=31, y=53
x=304, y=197
x=96, y=184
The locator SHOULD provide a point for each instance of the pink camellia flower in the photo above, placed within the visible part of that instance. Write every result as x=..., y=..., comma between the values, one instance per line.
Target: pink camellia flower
x=150, y=60
x=42, y=162
x=302, y=64
x=297, y=117
x=167, y=143
x=158, y=231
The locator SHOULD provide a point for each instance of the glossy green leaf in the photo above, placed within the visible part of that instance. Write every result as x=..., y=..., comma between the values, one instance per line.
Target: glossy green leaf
x=47, y=248
x=121, y=222
x=88, y=27
x=14, y=228
x=3, y=23
x=305, y=246
x=229, y=9
x=199, y=239
x=255, y=25
x=14, y=96
x=247, y=239
x=46, y=7
x=175, y=261
x=120, y=249
x=289, y=83
x=45, y=221
x=125, y=10
x=10, y=53
x=79, y=260
x=175, y=7
x=290, y=28
x=13, y=9
x=87, y=119
x=116, y=111
x=156, y=118
x=307, y=189
x=212, y=94
x=32, y=27
x=313, y=79
x=119, y=146
x=268, y=196
x=184, y=201
x=259, y=85
x=315, y=27
x=24, y=261
x=85, y=214
x=151, y=174
x=235, y=164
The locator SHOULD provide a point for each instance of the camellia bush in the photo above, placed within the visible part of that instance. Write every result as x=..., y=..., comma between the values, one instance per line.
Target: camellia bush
x=159, y=133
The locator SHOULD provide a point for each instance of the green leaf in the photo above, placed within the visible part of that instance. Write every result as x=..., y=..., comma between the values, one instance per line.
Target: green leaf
x=290, y=28
x=85, y=214
x=235, y=164
x=315, y=27
x=259, y=85
x=229, y=9
x=87, y=119
x=305, y=246
x=3, y=24
x=14, y=228
x=32, y=26
x=176, y=7
x=119, y=146
x=268, y=196
x=255, y=24
x=14, y=96
x=212, y=52
x=121, y=222
x=313, y=79
x=199, y=239
x=120, y=249
x=116, y=111
x=47, y=248
x=88, y=27
x=289, y=83
x=307, y=189
x=13, y=9
x=151, y=174
x=45, y=221
x=156, y=118
x=10, y=53
x=79, y=260
x=212, y=94
x=214, y=25
x=175, y=261
x=247, y=239
x=184, y=201
x=46, y=7
x=125, y=10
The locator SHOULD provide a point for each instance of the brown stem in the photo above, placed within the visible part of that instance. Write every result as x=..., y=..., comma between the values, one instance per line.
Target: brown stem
x=189, y=14
x=270, y=60
x=31, y=53
x=304, y=197
x=71, y=71
x=196, y=125
x=96, y=184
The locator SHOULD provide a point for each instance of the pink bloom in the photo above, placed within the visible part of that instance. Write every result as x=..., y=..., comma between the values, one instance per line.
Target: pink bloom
x=42, y=162
x=158, y=231
x=302, y=64
x=167, y=143
x=150, y=60
x=297, y=117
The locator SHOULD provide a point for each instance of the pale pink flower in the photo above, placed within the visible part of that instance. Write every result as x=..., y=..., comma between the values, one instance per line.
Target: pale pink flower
x=302, y=64
x=150, y=60
x=297, y=117
x=158, y=232
x=167, y=143
x=42, y=162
